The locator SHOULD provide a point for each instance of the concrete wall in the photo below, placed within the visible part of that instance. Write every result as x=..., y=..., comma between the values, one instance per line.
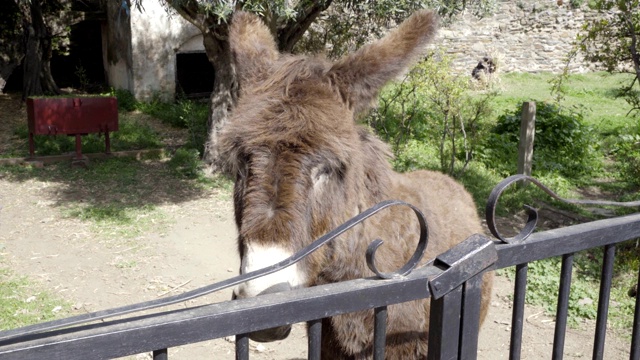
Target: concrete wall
x=530, y=36
x=156, y=38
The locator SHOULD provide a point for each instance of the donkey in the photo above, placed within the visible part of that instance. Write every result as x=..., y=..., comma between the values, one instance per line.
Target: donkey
x=302, y=166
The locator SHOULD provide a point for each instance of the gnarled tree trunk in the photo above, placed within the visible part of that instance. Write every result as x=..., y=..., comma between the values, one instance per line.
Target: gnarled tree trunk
x=223, y=97
x=216, y=44
x=37, y=69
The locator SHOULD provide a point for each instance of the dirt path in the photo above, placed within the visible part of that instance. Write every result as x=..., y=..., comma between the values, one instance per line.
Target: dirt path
x=194, y=246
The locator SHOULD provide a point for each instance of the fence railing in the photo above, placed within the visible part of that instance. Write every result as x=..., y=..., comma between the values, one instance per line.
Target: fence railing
x=452, y=281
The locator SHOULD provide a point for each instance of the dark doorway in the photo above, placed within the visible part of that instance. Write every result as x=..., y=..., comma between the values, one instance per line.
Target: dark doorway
x=194, y=75
x=83, y=67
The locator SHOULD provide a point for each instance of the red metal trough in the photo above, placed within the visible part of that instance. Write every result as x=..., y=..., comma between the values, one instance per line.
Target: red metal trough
x=74, y=116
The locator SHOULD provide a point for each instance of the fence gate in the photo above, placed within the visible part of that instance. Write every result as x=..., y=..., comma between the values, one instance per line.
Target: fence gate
x=452, y=281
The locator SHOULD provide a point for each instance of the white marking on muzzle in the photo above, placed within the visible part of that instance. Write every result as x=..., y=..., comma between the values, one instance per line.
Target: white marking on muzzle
x=260, y=256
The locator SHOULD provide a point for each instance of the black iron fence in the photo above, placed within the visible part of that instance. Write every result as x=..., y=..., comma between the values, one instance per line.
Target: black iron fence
x=452, y=281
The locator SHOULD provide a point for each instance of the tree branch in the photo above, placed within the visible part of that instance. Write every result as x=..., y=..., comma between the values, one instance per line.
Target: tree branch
x=289, y=33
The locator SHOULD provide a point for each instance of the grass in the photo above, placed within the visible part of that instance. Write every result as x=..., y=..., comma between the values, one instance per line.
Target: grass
x=23, y=303
x=132, y=135
x=594, y=93
x=543, y=282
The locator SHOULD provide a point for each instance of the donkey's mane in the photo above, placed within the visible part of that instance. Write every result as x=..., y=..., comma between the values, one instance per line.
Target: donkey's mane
x=290, y=70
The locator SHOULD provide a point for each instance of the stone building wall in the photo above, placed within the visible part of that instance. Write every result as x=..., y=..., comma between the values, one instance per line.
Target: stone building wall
x=528, y=36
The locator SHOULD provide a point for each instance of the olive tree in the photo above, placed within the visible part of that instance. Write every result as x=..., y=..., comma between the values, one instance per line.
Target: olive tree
x=338, y=25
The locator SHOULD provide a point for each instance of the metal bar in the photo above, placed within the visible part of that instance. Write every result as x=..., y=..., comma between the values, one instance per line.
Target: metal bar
x=461, y=263
x=314, y=334
x=568, y=240
x=162, y=354
x=520, y=290
x=185, y=326
x=242, y=347
x=603, y=301
x=562, y=310
x=471, y=307
x=107, y=142
x=32, y=146
x=379, y=332
x=635, y=338
x=78, y=146
x=444, y=326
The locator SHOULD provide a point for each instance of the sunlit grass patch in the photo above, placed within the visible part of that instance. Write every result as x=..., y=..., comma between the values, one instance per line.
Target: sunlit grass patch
x=22, y=303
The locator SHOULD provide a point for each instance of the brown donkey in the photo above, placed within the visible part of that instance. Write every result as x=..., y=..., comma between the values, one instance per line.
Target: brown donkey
x=303, y=166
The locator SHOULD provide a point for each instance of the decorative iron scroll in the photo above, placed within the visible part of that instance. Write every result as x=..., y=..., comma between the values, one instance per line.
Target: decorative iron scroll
x=205, y=290
x=531, y=212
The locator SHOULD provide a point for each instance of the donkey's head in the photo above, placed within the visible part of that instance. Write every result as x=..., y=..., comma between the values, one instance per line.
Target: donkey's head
x=302, y=165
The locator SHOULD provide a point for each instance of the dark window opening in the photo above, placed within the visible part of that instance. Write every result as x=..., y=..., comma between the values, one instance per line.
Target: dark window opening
x=194, y=75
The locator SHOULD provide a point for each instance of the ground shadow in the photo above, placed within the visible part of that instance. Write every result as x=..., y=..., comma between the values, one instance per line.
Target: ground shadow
x=112, y=186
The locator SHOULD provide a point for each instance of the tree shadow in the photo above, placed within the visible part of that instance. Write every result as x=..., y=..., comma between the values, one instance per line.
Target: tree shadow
x=109, y=188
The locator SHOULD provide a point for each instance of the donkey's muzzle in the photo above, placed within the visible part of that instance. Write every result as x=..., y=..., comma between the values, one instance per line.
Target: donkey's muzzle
x=276, y=333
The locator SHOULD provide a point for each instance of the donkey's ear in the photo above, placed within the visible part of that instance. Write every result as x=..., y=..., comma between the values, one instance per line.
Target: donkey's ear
x=252, y=47
x=360, y=75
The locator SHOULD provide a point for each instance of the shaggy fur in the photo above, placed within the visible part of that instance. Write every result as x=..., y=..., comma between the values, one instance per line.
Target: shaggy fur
x=303, y=166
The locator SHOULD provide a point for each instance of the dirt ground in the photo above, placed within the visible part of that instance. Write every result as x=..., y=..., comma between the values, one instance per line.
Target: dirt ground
x=194, y=246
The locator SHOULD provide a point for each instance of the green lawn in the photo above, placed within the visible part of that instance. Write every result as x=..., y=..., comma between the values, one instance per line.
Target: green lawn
x=593, y=93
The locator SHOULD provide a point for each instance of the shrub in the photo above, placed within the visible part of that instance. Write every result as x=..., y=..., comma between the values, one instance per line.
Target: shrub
x=432, y=108
x=185, y=162
x=563, y=143
x=627, y=156
x=126, y=100
x=188, y=114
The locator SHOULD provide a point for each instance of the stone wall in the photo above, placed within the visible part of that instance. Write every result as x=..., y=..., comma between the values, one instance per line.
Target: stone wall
x=527, y=36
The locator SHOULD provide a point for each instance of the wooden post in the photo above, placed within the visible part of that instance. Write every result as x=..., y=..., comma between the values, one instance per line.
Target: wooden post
x=527, y=133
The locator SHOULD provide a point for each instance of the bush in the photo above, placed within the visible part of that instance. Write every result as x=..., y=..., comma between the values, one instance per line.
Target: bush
x=126, y=100
x=432, y=108
x=132, y=135
x=563, y=143
x=188, y=114
x=627, y=156
x=185, y=162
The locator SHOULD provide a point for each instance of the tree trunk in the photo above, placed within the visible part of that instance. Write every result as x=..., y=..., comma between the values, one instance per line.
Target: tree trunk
x=223, y=97
x=37, y=71
x=216, y=43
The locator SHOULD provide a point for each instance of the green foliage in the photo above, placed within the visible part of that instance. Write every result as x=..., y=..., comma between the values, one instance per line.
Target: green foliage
x=187, y=114
x=432, y=106
x=627, y=155
x=126, y=100
x=612, y=40
x=543, y=282
x=186, y=162
x=563, y=143
x=132, y=135
x=341, y=27
x=576, y=4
